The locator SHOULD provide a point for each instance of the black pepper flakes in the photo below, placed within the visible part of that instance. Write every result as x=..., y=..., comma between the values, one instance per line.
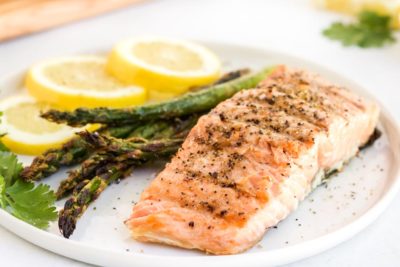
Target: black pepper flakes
x=223, y=213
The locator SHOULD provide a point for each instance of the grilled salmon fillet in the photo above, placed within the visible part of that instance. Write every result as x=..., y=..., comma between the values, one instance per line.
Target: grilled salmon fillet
x=249, y=162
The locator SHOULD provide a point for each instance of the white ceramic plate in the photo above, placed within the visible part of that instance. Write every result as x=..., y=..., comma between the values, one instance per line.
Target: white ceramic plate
x=330, y=215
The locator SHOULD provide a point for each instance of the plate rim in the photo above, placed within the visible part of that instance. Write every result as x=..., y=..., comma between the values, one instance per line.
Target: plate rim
x=101, y=256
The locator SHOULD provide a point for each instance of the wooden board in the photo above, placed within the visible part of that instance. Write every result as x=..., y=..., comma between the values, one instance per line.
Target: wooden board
x=20, y=17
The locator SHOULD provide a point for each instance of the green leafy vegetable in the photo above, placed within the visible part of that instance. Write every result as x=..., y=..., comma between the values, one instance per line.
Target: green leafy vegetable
x=30, y=203
x=2, y=146
x=371, y=30
x=3, y=202
x=9, y=167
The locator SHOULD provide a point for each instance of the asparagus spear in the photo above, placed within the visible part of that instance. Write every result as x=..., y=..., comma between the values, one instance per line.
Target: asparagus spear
x=87, y=170
x=121, y=131
x=72, y=152
x=232, y=75
x=189, y=103
x=121, y=146
x=177, y=129
x=78, y=203
x=133, y=156
x=229, y=76
x=77, y=150
x=115, y=150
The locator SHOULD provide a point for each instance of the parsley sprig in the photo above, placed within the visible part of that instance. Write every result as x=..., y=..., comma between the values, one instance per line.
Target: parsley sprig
x=30, y=203
x=371, y=30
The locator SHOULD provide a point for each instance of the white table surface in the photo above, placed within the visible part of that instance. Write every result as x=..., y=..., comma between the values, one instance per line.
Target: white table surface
x=293, y=27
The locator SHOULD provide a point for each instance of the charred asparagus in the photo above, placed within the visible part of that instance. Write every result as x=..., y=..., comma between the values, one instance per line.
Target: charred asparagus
x=72, y=152
x=78, y=203
x=110, y=148
x=114, y=151
x=121, y=166
x=77, y=150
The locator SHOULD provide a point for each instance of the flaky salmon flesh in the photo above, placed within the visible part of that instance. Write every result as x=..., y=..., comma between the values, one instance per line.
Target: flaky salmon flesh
x=249, y=162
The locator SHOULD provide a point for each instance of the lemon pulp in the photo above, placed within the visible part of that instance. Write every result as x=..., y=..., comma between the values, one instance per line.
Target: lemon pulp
x=164, y=67
x=80, y=81
x=26, y=117
x=82, y=75
x=29, y=134
x=169, y=56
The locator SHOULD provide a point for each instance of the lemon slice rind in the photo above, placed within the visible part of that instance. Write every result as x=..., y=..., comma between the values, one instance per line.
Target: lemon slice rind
x=130, y=69
x=209, y=66
x=23, y=142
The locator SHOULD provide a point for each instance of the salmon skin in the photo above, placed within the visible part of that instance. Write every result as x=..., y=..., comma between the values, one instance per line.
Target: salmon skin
x=249, y=162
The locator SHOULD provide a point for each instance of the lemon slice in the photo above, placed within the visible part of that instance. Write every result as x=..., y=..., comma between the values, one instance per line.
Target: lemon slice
x=80, y=81
x=26, y=132
x=165, y=67
x=353, y=7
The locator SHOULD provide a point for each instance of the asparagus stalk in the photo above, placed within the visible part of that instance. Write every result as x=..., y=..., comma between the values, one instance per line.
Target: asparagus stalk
x=133, y=156
x=232, y=75
x=120, y=146
x=189, y=103
x=120, y=131
x=72, y=152
x=78, y=203
x=110, y=148
x=77, y=149
x=115, y=151
x=229, y=76
x=86, y=171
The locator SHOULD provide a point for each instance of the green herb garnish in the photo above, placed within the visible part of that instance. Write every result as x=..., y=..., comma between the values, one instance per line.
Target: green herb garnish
x=371, y=30
x=2, y=146
x=30, y=203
